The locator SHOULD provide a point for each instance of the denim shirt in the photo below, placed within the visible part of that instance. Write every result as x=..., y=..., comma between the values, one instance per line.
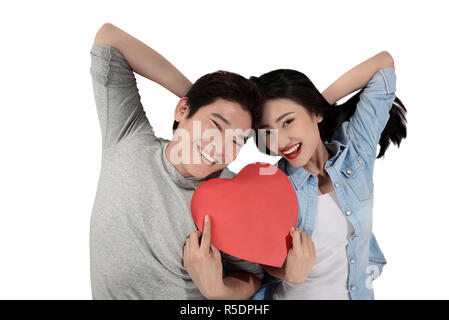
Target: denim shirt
x=354, y=149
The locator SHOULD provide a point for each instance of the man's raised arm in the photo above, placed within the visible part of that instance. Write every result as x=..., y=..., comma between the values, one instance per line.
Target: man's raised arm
x=143, y=59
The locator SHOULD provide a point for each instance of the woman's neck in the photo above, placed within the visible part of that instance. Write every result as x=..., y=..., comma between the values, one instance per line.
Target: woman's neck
x=319, y=158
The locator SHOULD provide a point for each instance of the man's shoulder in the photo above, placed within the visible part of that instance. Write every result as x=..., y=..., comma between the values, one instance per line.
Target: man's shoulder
x=227, y=174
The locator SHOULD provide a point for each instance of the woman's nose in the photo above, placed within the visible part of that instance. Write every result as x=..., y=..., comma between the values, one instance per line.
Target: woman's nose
x=283, y=142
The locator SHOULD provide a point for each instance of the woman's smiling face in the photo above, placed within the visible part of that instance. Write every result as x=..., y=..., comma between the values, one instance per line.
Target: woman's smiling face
x=298, y=135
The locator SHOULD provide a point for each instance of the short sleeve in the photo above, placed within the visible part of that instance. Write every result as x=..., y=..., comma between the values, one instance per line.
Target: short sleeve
x=373, y=110
x=117, y=98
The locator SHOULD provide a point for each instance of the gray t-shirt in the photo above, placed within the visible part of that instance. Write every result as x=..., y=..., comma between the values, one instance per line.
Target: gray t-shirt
x=141, y=215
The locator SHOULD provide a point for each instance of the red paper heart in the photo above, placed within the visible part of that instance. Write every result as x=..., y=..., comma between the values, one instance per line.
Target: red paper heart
x=251, y=214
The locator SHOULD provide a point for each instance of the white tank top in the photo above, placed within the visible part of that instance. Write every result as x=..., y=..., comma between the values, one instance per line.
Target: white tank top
x=328, y=279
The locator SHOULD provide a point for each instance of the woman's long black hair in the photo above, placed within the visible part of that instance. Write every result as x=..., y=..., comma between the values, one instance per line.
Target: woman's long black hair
x=296, y=86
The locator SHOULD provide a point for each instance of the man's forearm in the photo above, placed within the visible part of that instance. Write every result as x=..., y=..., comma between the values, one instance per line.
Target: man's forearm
x=143, y=59
x=358, y=77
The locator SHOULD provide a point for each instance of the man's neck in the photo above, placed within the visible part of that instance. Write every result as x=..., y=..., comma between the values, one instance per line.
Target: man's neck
x=178, y=166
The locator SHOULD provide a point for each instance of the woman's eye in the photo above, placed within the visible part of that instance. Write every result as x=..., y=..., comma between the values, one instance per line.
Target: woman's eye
x=286, y=122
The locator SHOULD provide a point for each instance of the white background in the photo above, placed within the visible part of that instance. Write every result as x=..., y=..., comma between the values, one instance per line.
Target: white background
x=51, y=142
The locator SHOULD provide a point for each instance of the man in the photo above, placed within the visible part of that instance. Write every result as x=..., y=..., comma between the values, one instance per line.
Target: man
x=141, y=215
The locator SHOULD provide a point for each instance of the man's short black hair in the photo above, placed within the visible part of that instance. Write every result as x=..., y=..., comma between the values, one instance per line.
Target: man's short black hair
x=228, y=86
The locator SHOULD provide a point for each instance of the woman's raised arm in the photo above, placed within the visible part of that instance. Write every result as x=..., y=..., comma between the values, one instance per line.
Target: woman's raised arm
x=144, y=60
x=358, y=77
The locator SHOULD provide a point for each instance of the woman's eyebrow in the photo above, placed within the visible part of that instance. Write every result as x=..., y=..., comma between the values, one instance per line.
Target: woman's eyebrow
x=219, y=116
x=284, y=115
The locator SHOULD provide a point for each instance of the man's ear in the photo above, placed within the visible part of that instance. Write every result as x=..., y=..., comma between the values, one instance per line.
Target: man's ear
x=182, y=109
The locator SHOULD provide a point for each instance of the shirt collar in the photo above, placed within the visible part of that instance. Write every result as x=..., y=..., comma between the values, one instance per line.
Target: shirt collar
x=298, y=176
x=181, y=181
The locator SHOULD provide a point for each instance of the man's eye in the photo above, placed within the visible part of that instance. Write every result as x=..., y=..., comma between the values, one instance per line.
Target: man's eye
x=217, y=125
x=238, y=144
x=286, y=122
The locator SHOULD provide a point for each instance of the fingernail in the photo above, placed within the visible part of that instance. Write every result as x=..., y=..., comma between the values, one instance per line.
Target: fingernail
x=207, y=219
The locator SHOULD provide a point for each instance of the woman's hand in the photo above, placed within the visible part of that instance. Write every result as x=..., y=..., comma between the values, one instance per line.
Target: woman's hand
x=203, y=262
x=300, y=259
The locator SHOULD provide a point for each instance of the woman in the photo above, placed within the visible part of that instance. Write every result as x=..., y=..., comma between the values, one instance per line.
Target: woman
x=328, y=151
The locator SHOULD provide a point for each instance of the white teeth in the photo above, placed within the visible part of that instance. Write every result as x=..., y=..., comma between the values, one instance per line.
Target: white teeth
x=292, y=149
x=208, y=157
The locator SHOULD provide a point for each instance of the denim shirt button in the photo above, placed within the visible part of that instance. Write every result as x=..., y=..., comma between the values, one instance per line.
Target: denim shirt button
x=337, y=185
x=348, y=213
x=360, y=161
x=352, y=261
x=354, y=238
x=352, y=288
x=348, y=171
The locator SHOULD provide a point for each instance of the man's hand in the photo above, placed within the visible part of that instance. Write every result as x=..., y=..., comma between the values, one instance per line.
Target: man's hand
x=203, y=262
x=300, y=259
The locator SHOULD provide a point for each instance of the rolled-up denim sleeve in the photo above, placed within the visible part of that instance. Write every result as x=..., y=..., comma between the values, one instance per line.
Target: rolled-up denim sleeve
x=373, y=110
x=117, y=98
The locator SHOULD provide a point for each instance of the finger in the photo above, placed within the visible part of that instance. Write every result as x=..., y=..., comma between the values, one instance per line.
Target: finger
x=307, y=244
x=313, y=250
x=184, y=255
x=292, y=232
x=215, y=252
x=194, y=240
x=205, y=239
x=296, y=240
x=311, y=247
x=303, y=237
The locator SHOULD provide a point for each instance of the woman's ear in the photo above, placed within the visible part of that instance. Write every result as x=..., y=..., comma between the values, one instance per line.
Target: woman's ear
x=319, y=118
x=182, y=109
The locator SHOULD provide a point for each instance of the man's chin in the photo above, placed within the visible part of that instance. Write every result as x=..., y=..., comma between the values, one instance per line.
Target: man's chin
x=201, y=171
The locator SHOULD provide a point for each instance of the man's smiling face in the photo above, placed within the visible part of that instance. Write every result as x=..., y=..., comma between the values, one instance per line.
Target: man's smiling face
x=210, y=139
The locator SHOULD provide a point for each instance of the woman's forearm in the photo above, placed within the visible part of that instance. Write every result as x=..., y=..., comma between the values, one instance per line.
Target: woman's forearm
x=143, y=59
x=358, y=77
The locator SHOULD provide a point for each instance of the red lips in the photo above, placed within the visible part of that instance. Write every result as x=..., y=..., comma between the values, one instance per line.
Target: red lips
x=294, y=154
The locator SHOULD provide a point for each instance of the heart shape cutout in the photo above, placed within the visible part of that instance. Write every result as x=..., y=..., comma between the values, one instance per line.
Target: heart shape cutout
x=251, y=214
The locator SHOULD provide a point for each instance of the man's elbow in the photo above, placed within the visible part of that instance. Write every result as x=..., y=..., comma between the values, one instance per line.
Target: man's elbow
x=105, y=34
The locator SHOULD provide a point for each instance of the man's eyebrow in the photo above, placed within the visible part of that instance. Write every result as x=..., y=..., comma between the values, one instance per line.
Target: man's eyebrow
x=219, y=116
x=284, y=115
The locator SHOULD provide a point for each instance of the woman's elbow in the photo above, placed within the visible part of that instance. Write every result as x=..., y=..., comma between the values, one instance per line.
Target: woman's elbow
x=387, y=59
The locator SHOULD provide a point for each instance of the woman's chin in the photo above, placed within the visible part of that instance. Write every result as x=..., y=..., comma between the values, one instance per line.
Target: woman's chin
x=297, y=162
